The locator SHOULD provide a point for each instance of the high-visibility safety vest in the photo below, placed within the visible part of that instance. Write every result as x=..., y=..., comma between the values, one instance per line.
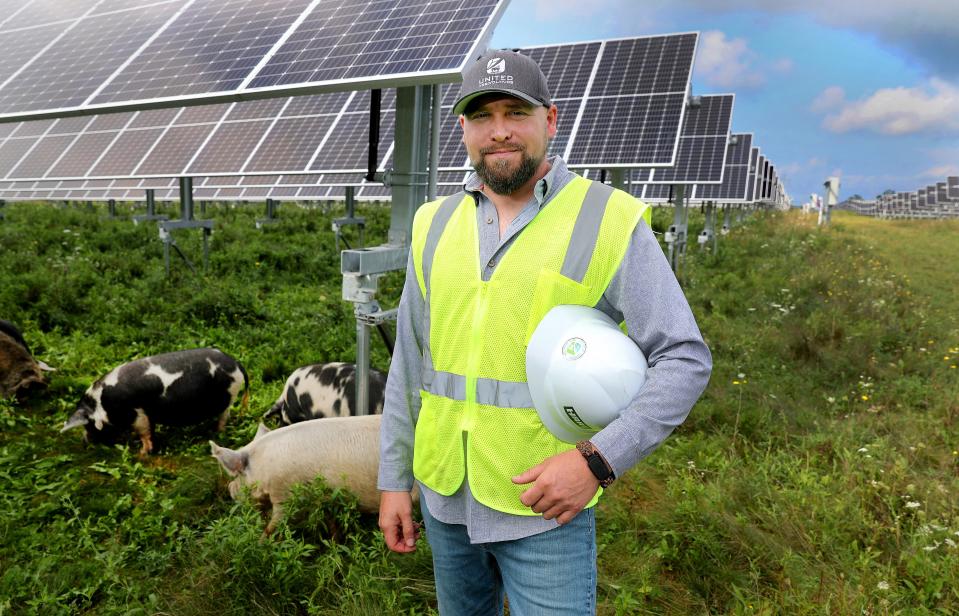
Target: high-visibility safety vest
x=477, y=418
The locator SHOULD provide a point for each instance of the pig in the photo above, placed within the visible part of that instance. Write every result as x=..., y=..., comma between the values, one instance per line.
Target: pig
x=345, y=451
x=19, y=370
x=324, y=390
x=180, y=388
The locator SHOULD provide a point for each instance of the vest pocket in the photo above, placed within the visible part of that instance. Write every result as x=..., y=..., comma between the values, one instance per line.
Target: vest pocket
x=438, y=447
x=554, y=289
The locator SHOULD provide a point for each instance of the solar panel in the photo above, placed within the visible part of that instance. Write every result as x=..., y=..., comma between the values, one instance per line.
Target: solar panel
x=634, y=108
x=931, y=195
x=734, y=187
x=952, y=187
x=125, y=55
x=757, y=174
x=942, y=192
x=82, y=56
x=701, y=156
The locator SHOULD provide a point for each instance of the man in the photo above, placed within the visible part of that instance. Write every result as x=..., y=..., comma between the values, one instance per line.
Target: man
x=507, y=506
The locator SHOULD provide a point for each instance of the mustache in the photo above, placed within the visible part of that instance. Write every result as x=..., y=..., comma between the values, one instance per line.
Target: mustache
x=504, y=147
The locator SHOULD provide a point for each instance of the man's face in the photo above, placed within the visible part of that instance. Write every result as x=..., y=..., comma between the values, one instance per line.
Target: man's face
x=506, y=139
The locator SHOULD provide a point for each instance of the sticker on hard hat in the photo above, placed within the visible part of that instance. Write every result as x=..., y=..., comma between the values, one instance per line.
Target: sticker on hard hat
x=574, y=348
x=573, y=417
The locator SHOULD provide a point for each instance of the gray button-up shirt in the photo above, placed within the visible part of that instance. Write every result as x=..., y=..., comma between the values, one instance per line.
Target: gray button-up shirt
x=643, y=292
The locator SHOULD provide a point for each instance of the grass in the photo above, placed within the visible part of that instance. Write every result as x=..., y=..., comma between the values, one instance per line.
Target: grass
x=818, y=474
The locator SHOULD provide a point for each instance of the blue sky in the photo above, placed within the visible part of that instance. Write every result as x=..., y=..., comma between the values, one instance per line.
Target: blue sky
x=867, y=90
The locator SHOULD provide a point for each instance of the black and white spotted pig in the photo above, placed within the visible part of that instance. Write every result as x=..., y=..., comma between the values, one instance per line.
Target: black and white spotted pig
x=181, y=388
x=325, y=390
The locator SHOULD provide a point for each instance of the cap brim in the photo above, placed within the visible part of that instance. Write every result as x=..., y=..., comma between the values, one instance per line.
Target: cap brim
x=461, y=104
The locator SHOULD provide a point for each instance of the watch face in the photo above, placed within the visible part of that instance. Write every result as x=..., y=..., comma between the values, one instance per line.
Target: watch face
x=596, y=465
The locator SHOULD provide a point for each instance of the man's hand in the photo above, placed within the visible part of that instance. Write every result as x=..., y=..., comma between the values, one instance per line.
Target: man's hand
x=396, y=522
x=562, y=485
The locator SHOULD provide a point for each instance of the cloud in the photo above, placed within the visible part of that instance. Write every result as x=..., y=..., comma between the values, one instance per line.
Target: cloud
x=924, y=28
x=792, y=169
x=900, y=111
x=722, y=62
x=552, y=9
x=940, y=171
x=830, y=98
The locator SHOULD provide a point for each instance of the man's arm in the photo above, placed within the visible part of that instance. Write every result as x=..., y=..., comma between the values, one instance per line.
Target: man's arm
x=644, y=292
x=400, y=408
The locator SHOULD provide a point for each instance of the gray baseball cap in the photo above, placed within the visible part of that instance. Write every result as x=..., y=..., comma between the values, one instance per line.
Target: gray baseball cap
x=509, y=72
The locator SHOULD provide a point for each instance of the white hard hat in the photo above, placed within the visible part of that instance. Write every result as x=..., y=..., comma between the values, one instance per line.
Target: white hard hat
x=582, y=371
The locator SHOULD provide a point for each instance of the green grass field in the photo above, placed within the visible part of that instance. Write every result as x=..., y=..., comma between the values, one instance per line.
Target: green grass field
x=819, y=474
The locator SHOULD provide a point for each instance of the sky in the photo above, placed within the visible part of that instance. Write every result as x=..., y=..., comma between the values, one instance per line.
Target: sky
x=866, y=90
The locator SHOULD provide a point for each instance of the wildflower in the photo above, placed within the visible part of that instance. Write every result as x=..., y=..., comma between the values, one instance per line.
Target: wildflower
x=913, y=505
x=862, y=450
x=930, y=548
x=735, y=382
x=951, y=543
x=741, y=375
x=864, y=397
x=830, y=400
x=883, y=585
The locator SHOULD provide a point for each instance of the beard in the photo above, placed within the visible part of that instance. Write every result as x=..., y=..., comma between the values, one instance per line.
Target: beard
x=498, y=176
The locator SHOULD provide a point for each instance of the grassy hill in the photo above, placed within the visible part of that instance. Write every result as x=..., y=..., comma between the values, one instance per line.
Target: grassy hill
x=818, y=475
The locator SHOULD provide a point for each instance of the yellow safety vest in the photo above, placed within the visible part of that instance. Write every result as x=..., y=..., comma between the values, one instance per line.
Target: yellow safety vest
x=477, y=418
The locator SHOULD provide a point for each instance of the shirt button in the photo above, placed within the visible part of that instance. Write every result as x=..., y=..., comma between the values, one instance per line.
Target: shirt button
x=489, y=220
x=492, y=264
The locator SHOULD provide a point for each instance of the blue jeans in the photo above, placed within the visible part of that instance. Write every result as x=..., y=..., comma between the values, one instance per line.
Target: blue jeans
x=549, y=574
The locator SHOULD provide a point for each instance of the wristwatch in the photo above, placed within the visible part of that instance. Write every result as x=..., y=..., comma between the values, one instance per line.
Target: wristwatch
x=596, y=463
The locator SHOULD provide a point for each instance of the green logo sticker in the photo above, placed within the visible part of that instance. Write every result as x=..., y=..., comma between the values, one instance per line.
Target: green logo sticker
x=574, y=348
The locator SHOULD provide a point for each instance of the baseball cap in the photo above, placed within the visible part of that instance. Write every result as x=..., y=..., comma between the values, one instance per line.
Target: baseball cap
x=509, y=72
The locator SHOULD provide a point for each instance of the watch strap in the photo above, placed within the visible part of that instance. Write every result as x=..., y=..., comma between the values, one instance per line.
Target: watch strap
x=597, y=463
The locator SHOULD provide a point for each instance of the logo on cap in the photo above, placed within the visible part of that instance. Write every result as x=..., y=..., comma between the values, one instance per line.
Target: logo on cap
x=574, y=348
x=495, y=66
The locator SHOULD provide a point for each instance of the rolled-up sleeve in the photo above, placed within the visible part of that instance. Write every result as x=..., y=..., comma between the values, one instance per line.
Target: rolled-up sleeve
x=402, y=400
x=645, y=293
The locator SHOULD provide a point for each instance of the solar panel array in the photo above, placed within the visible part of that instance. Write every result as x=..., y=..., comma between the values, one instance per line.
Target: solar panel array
x=939, y=200
x=622, y=104
x=320, y=133
x=88, y=56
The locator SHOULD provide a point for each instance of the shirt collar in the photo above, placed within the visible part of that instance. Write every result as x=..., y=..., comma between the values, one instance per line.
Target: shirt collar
x=540, y=191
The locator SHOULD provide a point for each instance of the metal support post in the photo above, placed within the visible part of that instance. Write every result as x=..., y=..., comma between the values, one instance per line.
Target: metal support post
x=186, y=198
x=617, y=178
x=434, y=141
x=186, y=222
x=361, y=267
x=350, y=219
x=151, y=209
x=708, y=234
x=270, y=214
x=112, y=207
x=676, y=234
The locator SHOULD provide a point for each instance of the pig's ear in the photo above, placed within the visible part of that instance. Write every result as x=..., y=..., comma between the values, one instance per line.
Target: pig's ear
x=45, y=367
x=79, y=418
x=261, y=430
x=233, y=462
